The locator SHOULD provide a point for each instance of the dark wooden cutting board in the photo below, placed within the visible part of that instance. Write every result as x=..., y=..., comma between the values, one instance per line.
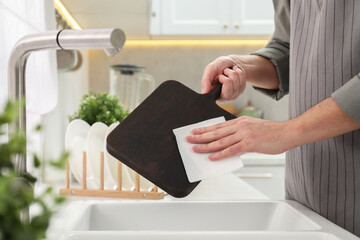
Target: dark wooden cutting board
x=144, y=141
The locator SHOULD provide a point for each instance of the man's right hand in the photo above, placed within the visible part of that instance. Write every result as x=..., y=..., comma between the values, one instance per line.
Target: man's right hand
x=226, y=71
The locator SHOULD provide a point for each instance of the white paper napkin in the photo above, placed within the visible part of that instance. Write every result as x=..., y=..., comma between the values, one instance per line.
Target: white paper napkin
x=197, y=165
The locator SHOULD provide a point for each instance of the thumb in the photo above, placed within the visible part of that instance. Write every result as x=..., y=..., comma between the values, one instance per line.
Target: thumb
x=209, y=79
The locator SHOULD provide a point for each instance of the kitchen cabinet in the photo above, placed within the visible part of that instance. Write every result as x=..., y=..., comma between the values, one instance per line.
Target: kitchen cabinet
x=211, y=17
x=266, y=173
x=269, y=180
x=130, y=16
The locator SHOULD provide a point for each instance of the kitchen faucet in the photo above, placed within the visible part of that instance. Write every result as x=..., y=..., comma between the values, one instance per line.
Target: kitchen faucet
x=111, y=40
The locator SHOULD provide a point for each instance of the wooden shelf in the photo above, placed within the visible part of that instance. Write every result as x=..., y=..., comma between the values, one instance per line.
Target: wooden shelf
x=101, y=192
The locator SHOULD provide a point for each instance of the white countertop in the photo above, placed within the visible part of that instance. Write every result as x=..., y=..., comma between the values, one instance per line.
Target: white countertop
x=224, y=188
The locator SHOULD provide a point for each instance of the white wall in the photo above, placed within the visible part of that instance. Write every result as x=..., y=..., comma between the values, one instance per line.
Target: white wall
x=72, y=86
x=182, y=63
x=17, y=19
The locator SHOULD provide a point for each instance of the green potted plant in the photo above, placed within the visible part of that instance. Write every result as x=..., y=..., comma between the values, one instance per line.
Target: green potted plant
x=100, y=107
x=16, y=191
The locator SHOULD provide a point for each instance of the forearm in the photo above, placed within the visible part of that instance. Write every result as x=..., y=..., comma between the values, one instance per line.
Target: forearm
x=259, y=71
x=320, y=122
x=245, y=134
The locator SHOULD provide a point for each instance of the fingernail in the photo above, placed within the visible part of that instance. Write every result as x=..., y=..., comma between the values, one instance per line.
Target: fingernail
x=212, y=157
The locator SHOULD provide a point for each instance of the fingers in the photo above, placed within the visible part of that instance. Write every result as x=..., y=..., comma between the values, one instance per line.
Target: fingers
x=202, y=130
x=231, y=78
x=233, y=83
x=242, y=83
x=228, y=152
x=212, y=71
x=211, y=136
x=217, y=145
x=217, y=138
x=227, y=90
x=243, y=134
x=236, y=82
x=209, y=78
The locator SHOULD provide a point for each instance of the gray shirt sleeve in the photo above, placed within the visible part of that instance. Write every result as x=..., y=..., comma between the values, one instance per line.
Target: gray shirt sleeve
x=277, y=49
x=348, y=98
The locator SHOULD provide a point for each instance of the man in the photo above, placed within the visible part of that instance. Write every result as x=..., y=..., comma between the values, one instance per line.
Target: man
x=314, y=55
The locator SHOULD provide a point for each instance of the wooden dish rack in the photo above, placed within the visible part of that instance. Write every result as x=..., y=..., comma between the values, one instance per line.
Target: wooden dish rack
x=101, y=192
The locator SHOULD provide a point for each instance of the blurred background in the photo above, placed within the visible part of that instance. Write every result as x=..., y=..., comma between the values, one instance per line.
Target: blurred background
x=166, y=39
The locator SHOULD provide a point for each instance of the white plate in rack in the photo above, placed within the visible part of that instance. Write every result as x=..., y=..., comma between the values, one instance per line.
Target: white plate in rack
x=94, y=146
x=75, y=143
x=112, y=166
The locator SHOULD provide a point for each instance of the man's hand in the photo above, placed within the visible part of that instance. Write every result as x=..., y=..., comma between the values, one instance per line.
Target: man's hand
x=224, y=70
x=241, y=135
x=324, y=120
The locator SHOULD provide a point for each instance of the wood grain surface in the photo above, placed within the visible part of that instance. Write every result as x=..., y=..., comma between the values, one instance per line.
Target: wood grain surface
x=144, y=141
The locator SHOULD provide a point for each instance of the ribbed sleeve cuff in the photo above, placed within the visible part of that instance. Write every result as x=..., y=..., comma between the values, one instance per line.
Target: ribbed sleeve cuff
x=277, y=52
x=348, y=98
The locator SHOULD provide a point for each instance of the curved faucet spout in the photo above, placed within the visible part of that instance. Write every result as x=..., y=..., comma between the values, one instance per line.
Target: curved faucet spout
x=111, y=40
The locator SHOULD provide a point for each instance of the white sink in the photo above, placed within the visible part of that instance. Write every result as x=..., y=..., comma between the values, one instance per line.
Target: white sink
x=202, y=236
x=193, y=216
x=160, y=220
x=204, y=215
